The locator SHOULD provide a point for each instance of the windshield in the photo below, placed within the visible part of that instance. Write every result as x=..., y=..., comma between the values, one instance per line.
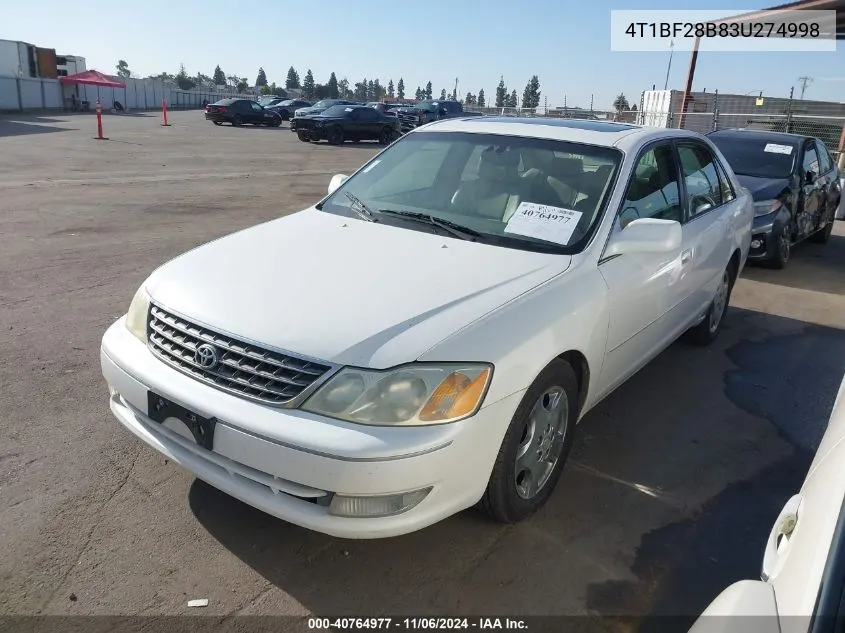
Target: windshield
x=265, y=101
x=428, y=106
x=757, y=156
x=325, y=103
x=534, y=194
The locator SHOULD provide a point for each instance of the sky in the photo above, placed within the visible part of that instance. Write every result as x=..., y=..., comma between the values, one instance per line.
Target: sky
x=567, y=45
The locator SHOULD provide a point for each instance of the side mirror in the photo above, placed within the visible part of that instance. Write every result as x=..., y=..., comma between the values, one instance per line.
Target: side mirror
x=809, y=178
x=646, y=235
x=336, y=181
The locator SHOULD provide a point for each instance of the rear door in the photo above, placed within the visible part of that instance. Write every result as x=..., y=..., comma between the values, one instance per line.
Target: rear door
x=831, y=186
x=710, y=204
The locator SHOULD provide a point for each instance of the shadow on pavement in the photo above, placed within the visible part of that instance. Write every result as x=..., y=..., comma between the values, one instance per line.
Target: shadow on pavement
x=669, y=495
x=817, y=267
x=21, y=128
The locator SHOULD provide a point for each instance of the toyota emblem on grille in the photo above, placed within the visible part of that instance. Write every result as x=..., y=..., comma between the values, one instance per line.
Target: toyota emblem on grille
x=206, y=356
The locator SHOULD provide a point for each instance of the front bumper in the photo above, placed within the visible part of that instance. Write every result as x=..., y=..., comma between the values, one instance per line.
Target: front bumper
x=765, y=232
x=314, y=133
x=277, y=459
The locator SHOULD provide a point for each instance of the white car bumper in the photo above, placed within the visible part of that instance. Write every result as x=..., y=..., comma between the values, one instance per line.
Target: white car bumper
x=276, y=459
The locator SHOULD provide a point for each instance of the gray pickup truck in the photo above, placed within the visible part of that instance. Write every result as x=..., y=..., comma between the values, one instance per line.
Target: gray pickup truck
x=430, y=110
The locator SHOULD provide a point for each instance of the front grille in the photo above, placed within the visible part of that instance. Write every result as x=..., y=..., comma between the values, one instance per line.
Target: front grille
x=242, y=368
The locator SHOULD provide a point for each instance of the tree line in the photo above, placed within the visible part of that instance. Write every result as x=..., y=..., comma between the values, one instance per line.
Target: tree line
x=364, y=90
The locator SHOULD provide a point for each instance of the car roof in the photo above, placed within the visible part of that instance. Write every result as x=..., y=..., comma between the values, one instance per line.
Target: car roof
x=227, y=100
x=604, y=133
x=760, y=135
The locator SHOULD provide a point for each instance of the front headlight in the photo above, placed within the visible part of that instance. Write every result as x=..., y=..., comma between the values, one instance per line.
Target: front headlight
x=136, y=317
x=412, y=395
x=765, y=207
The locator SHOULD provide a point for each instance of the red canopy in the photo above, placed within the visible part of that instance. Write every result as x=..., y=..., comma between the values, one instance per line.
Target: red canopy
x=92, y=78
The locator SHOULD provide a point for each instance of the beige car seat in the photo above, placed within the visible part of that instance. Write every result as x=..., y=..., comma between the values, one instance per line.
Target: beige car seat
x=497, y=191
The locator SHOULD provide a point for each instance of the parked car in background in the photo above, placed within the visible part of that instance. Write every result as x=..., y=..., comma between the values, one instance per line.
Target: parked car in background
x=483, y=283
x=802, y=580
x=796, y=187
x=287, y=107
x=348, y=123
x=240, y=111
x=318, y=107
x=385, y=108
x=430, y=110
x=270, y=100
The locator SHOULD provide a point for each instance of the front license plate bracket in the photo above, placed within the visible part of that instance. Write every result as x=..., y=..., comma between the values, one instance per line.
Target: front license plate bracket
x=160, y=408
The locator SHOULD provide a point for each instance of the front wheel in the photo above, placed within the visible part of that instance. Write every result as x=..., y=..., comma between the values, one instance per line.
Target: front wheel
x=535, y=446
x=708, y=330
x=783, y=250
x=303, y=136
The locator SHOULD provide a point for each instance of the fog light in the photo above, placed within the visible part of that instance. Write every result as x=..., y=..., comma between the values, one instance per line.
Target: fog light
x=381, y=506
x=756, y=243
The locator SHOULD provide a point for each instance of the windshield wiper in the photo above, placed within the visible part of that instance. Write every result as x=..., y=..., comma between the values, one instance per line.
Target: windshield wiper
x=457, y=230
x=361, y=209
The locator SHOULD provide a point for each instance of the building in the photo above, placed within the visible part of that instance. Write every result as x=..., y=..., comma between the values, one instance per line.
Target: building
x=25, y=60
x=70, y=65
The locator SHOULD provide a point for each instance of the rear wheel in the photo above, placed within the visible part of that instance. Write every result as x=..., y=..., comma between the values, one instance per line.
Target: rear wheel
x=706, y=332
x=822, y=236
x=386, y=136
x=335, y=135
x=535, y=446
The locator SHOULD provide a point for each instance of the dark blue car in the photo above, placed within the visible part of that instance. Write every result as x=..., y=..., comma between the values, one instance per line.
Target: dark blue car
x=795, y=184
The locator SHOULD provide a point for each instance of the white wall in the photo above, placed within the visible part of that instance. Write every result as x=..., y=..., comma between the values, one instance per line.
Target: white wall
x=10, y=59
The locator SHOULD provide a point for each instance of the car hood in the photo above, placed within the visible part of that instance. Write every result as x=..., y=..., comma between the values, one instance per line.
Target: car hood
x=344, y=290
x=763, y=188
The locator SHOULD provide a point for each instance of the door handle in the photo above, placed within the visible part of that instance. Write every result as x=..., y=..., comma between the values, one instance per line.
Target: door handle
x=686, y=256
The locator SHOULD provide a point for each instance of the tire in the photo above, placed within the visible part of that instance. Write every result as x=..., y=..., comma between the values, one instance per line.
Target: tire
x=823, y=236
x=386, y=136
x=335, y=135
x=237, y=121
x=217, y=122
x=275, y=123
x=511, y=495
x=783, y=251
x=303, y=136
x=708, y=330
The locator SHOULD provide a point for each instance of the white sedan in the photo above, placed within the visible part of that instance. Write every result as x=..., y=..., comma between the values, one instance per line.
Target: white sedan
x=802, y=586
x=426, y=337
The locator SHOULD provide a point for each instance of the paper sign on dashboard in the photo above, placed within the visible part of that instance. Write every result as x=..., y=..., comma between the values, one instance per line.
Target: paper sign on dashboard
x=774, y=148
x=543, y=222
